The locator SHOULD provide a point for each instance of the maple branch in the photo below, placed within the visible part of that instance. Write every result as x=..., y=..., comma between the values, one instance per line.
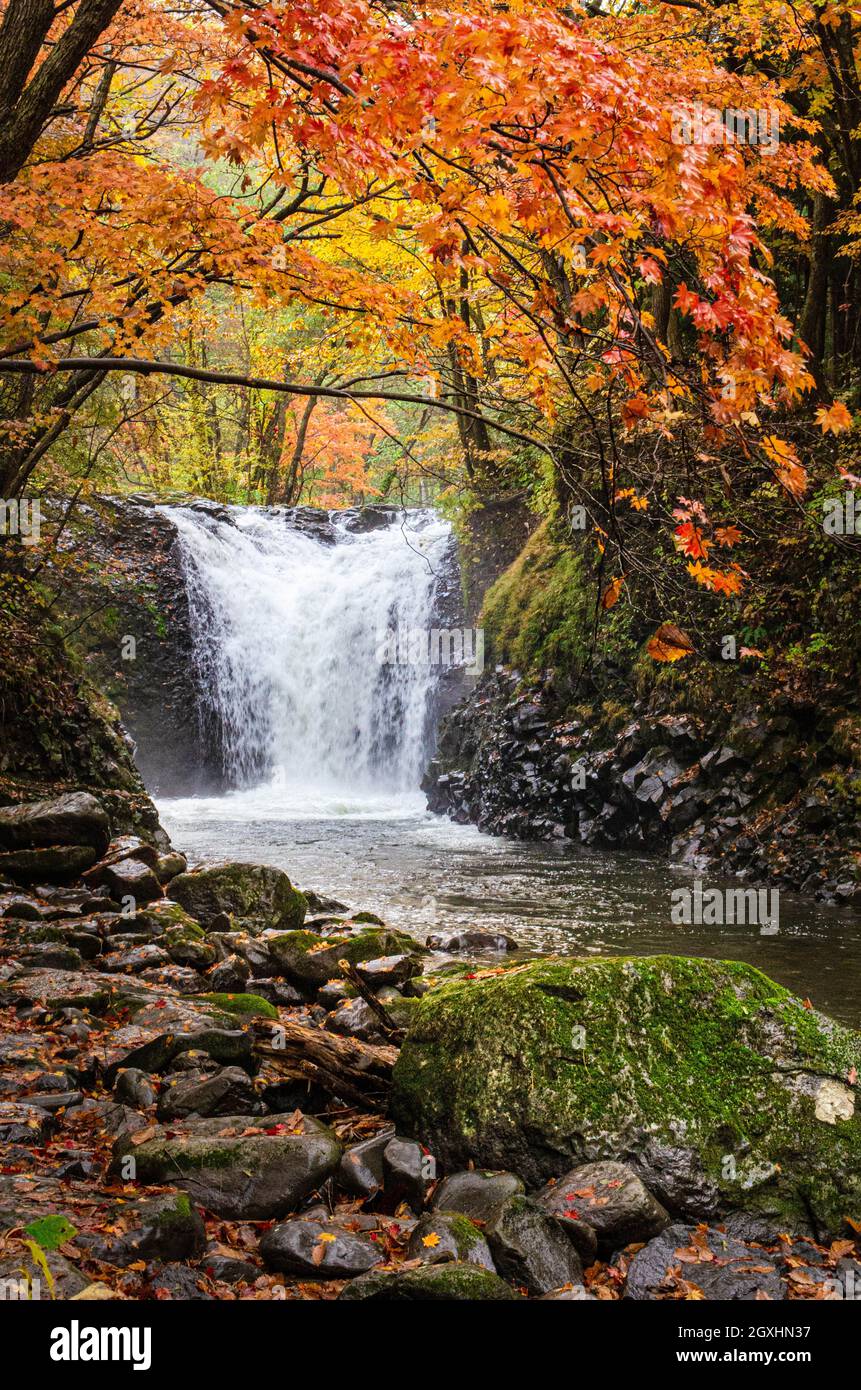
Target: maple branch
x=150, y=367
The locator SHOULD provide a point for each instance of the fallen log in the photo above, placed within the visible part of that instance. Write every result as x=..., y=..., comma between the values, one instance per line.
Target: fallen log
x=354, y=1071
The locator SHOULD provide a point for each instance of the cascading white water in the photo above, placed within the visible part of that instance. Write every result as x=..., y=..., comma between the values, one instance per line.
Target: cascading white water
x=289, y=635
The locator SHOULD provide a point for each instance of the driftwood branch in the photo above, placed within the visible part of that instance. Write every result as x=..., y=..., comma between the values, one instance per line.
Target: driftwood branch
x=387, y=1023
x=356, y=1071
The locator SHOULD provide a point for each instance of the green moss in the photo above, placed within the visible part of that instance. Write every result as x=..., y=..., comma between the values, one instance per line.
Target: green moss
x=244, y=1005
x=466, y=1235
x=540, y=612
x=546, y=1065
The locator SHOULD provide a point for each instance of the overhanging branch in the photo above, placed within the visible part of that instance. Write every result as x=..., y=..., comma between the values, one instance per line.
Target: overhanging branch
x=142, y=366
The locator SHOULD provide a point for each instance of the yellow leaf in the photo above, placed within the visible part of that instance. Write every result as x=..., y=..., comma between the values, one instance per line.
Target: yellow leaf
x=835, y=419
x=430, y=1241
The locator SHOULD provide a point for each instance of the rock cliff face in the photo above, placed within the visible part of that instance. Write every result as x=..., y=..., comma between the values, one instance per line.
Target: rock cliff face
x=128, y=608
x=59, y=733
x=769, y=794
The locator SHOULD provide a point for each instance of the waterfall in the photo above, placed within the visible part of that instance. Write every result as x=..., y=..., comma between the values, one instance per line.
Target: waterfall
x=290, y=613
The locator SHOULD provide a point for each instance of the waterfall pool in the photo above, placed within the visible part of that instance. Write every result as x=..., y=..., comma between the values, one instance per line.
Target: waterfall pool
x=387, y=854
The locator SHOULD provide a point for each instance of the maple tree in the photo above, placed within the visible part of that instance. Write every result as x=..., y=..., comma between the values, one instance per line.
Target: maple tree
x=504, y=244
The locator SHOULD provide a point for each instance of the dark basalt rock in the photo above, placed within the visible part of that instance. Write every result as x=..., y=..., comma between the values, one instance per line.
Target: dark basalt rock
x=318, y=1250
x=717, y=1265
x=432, y=1283
x=476, y=1193
x=443, y=1236
x=611, y=1199
x=529, y=1249
x=75, y=819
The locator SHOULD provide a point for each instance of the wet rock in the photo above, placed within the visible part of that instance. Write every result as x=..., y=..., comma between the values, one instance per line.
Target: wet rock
x=165, y=1227
x=713, y=1263
x=404, y=1172
x=231, y=1172
x=476, y=1193
x=134, y=1088
x=444, y=1236
x=529, y=1248
x=55, y=1101
x=611, y=1199
x=317, y=1250
x=187, y=945
x=310, y=960
x=135, y=960
x=229, y=1091
x=178, y=1282
x=75, y=819
x=334, y=992
x=276, y=991
x=539, y=1069
x=169, y=866
x=244, y=890
x=360, y=1171
x=50, y=955
x=165, y=1026
x=181, y=978
x=20, y=907
x=432, y=1283
x=23, y=1123
x=132, y=878
x=230, y=975
x=228, y=1266
x=388, y=970
x=59, y=864
x=354, y=1019
x=458, y=939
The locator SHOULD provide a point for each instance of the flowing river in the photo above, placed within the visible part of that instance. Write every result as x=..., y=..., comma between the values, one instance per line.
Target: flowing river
x=324, y=741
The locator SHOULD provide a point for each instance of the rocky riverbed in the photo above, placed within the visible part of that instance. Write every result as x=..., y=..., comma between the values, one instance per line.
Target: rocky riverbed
x=213, y=1085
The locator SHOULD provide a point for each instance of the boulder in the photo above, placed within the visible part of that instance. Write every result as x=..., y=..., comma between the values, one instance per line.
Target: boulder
x=708, y=1066
x=229, y=1091
x=312, y=1249
x=611, y=1199
x=233, y=1167
x=165, y=1227
x=131, y=878
x=404, y=1172
x=432, y=1283
x=245, y=890
x=75, y=819
x=311, y=960
x=361, y=1169
x=59, y=864
x=475, y=1193
x=529, y=1248
x=697, y=1260
x=444, y=1236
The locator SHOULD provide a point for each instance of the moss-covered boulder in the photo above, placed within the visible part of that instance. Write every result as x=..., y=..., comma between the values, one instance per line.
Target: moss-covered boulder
x=720, y=1086
x=187, y=945
x=311, y=960
x=233, y=1167
x=243, y=890
x=242, y=1005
